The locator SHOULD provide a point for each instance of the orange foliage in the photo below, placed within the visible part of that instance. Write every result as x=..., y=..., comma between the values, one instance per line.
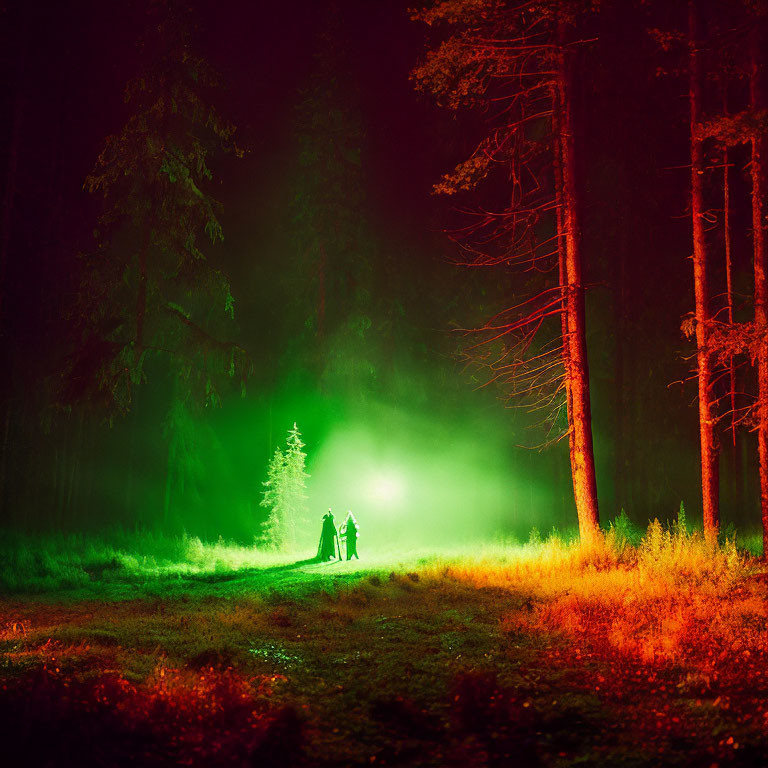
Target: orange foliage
x=676, y=597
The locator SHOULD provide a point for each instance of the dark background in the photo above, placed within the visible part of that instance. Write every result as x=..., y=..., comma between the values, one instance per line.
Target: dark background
x=65, y=66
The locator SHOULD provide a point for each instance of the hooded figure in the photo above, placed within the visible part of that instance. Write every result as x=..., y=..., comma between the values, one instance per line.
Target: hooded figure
x=349, y=532
x=329, y=539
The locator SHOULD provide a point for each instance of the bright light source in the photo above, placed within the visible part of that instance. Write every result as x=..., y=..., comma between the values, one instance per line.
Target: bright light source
x=387, y=488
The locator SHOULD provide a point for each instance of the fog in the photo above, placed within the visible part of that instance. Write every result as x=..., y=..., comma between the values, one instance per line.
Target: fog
x=409, y=479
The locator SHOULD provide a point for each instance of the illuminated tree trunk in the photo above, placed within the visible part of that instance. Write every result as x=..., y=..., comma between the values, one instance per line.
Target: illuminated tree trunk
x=735, y=448
x=759, y=227
x=729, y=289
x=708, y=437
x=560, y=213
x=575, y=356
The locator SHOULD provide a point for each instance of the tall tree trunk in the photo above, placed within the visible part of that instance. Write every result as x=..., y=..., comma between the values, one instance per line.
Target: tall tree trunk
x=760, y=243
x=560, y=221
x=577, y=371
x=708, y=438
x=729, y=288
x=735, y=448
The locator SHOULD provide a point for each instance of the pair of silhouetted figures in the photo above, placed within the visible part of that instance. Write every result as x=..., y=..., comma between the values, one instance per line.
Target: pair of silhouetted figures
x=329, y=538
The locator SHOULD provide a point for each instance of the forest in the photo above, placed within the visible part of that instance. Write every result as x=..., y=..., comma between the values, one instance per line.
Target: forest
x=482, y=283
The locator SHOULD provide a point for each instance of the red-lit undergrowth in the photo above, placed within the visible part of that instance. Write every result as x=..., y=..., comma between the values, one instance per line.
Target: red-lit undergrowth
x=671, y=634
x=676, y=598
x=672, y=597
x=176, y=716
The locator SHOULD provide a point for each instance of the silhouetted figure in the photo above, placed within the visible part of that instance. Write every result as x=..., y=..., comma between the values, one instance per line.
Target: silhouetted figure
x=349, y=532
x=329, y=539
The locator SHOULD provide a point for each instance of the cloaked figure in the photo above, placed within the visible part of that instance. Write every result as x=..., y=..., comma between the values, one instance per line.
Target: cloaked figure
x=329, y=539
x=349, y=531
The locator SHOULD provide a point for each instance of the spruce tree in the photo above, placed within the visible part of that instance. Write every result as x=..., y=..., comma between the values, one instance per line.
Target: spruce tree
x=272, y=499
x=295, y=498
x=520, y=67
x=148, y=289
x=285, y=494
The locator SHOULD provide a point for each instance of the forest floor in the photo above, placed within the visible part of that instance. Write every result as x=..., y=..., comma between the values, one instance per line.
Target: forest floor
x=653, y=653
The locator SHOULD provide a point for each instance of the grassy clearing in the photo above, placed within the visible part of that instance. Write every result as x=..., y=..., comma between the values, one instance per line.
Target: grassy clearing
x=645, y=649
x=66, y=562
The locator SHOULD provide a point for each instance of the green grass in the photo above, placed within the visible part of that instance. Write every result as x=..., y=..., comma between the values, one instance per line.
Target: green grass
x=645, y=649
x=122, y=562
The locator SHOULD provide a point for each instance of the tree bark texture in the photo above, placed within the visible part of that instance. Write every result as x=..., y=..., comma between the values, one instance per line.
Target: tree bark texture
x=759, y=244
x=560, y=220
x=708, y=437
x=577, y=368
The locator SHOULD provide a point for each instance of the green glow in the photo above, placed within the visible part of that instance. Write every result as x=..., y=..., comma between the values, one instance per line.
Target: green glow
x=388, y=489
x=412, y=481
x=413, y=475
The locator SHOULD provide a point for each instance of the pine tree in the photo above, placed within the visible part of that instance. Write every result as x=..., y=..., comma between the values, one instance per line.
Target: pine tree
x=759, y=173
x=148, y=290
x=710, y=477
x=285, y=494
x=295, y=478
x=272, y=499
x=518, y=66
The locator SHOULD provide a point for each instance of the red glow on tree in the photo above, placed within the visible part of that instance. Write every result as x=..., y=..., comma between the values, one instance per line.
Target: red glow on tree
x=707, y=415
x=760, y=246
x=517, y=65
